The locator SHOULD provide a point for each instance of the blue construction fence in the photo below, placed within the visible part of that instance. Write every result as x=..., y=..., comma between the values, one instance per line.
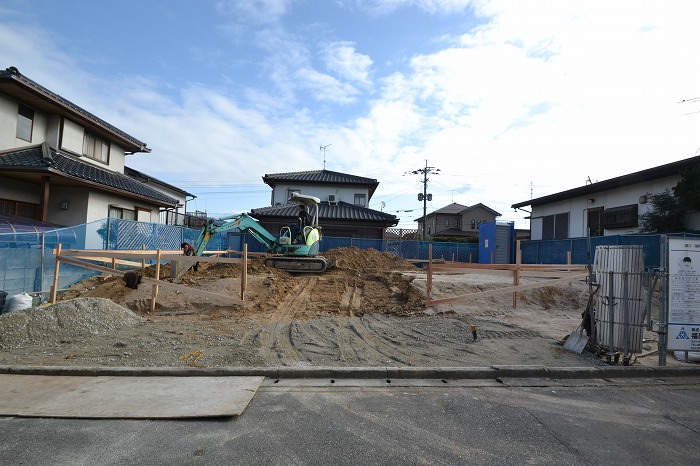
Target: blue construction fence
x=582, y=250
x=27, y=260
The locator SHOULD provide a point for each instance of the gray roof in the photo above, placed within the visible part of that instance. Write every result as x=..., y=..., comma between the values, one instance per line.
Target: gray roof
x=35, y=95
x=43, y=159
x=338, y=211
x=458, y=209
x=453, y=208
x=650, y=174
x=321, y=177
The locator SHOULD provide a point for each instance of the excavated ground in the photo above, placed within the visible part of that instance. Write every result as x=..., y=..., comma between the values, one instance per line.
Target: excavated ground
x=367, y=311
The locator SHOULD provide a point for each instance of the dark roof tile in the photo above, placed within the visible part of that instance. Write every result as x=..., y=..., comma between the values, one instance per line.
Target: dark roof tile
x=42, y=158
x=321, y=177
x=327, y=211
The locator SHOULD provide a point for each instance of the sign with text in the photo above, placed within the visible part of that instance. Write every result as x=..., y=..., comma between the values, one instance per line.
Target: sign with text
x=684, y=294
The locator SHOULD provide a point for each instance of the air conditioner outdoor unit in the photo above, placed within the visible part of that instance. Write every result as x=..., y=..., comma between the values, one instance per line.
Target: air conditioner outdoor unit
x=331, y=198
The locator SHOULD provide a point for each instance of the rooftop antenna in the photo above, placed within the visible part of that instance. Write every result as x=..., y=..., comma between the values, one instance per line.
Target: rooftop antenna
x=323, y=149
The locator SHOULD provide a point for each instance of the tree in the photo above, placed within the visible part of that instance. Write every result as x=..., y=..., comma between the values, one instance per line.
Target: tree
x=666, y=215
x=687, y=190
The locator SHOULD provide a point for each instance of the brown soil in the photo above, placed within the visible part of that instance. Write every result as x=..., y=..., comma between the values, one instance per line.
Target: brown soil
x=367, y=311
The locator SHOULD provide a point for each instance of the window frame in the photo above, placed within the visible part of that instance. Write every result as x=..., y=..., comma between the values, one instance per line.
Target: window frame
x=25, y=115
x=555, y=226
x=626, y=216
x=360, y=199
x=115, y=208
x=90, y=146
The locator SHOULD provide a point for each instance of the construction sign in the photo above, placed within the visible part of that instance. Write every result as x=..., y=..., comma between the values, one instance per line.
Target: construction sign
x=684, y=294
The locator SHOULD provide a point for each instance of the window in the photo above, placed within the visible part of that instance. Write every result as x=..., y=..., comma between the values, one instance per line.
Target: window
x=96, y=148
x=120, y=212
x=555, y=226
x=360, y=199
x=621, y=217
x=473, y=224
x=595, y=221
x=25, y=123
x=447, y=223
x=18, y=209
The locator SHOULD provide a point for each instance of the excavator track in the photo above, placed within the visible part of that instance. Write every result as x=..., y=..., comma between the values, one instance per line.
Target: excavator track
x=298, y=264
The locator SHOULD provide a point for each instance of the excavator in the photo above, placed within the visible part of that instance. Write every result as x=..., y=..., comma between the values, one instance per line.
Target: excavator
x=295, y=250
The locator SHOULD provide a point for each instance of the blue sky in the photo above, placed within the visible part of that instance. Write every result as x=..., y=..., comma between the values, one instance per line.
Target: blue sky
x=509, y=99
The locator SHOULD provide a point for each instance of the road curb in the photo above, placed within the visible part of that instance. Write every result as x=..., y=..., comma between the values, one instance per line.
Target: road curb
x=321, y=372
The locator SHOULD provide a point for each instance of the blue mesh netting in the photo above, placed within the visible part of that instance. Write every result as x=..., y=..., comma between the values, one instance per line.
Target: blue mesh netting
x=27, y=260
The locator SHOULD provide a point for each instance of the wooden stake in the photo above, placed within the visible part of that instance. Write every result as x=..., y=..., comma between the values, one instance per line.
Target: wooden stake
x=516, y=272
x=143, y=261
x=244, y=275
x=155, y=287
x=429, y=283
x=54, y=286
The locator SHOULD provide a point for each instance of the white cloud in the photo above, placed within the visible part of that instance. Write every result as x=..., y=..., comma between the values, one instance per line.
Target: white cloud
x=536, y=99
x=344, y=60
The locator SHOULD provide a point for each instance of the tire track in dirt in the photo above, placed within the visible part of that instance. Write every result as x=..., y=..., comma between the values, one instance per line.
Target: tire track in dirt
x=276, y=340
x=422, y=346
x=390, y=347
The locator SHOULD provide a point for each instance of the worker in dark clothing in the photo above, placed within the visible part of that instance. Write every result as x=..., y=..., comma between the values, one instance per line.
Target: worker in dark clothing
x=303, y=220
x=304, y=217
x=188, y=250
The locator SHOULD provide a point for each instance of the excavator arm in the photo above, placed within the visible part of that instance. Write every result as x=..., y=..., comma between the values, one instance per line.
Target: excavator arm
x=242, y=222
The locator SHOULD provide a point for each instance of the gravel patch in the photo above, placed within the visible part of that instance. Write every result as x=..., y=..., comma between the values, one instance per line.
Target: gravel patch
x=63, y=321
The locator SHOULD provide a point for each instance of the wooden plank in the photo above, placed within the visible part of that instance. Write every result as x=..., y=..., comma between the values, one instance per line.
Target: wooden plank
x=165, y=257
x=155, y=287
x=507, y=289
x=465, y=265
x=162, y=284
x=54, y=286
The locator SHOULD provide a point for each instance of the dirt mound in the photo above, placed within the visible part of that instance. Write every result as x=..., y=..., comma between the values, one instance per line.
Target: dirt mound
x=354, y=258
x=362, y=281
x=63, y=321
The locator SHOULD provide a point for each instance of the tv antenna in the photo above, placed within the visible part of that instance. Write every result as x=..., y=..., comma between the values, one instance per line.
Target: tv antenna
x=323, y=149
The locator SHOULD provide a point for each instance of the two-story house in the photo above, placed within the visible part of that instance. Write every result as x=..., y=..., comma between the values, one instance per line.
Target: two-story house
x=343, y=211
x=456, y=221
x=608, y=207
x=61, y=164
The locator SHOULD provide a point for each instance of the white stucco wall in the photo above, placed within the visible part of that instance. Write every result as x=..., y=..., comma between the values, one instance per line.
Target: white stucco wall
x=99, y=203
x=578, y=207
x=280, y=194
x=8, y=125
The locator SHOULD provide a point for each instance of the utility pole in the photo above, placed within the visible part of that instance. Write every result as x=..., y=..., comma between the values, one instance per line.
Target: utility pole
x=424, y=196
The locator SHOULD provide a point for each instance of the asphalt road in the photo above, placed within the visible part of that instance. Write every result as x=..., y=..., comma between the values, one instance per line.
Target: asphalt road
x=378, y=421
